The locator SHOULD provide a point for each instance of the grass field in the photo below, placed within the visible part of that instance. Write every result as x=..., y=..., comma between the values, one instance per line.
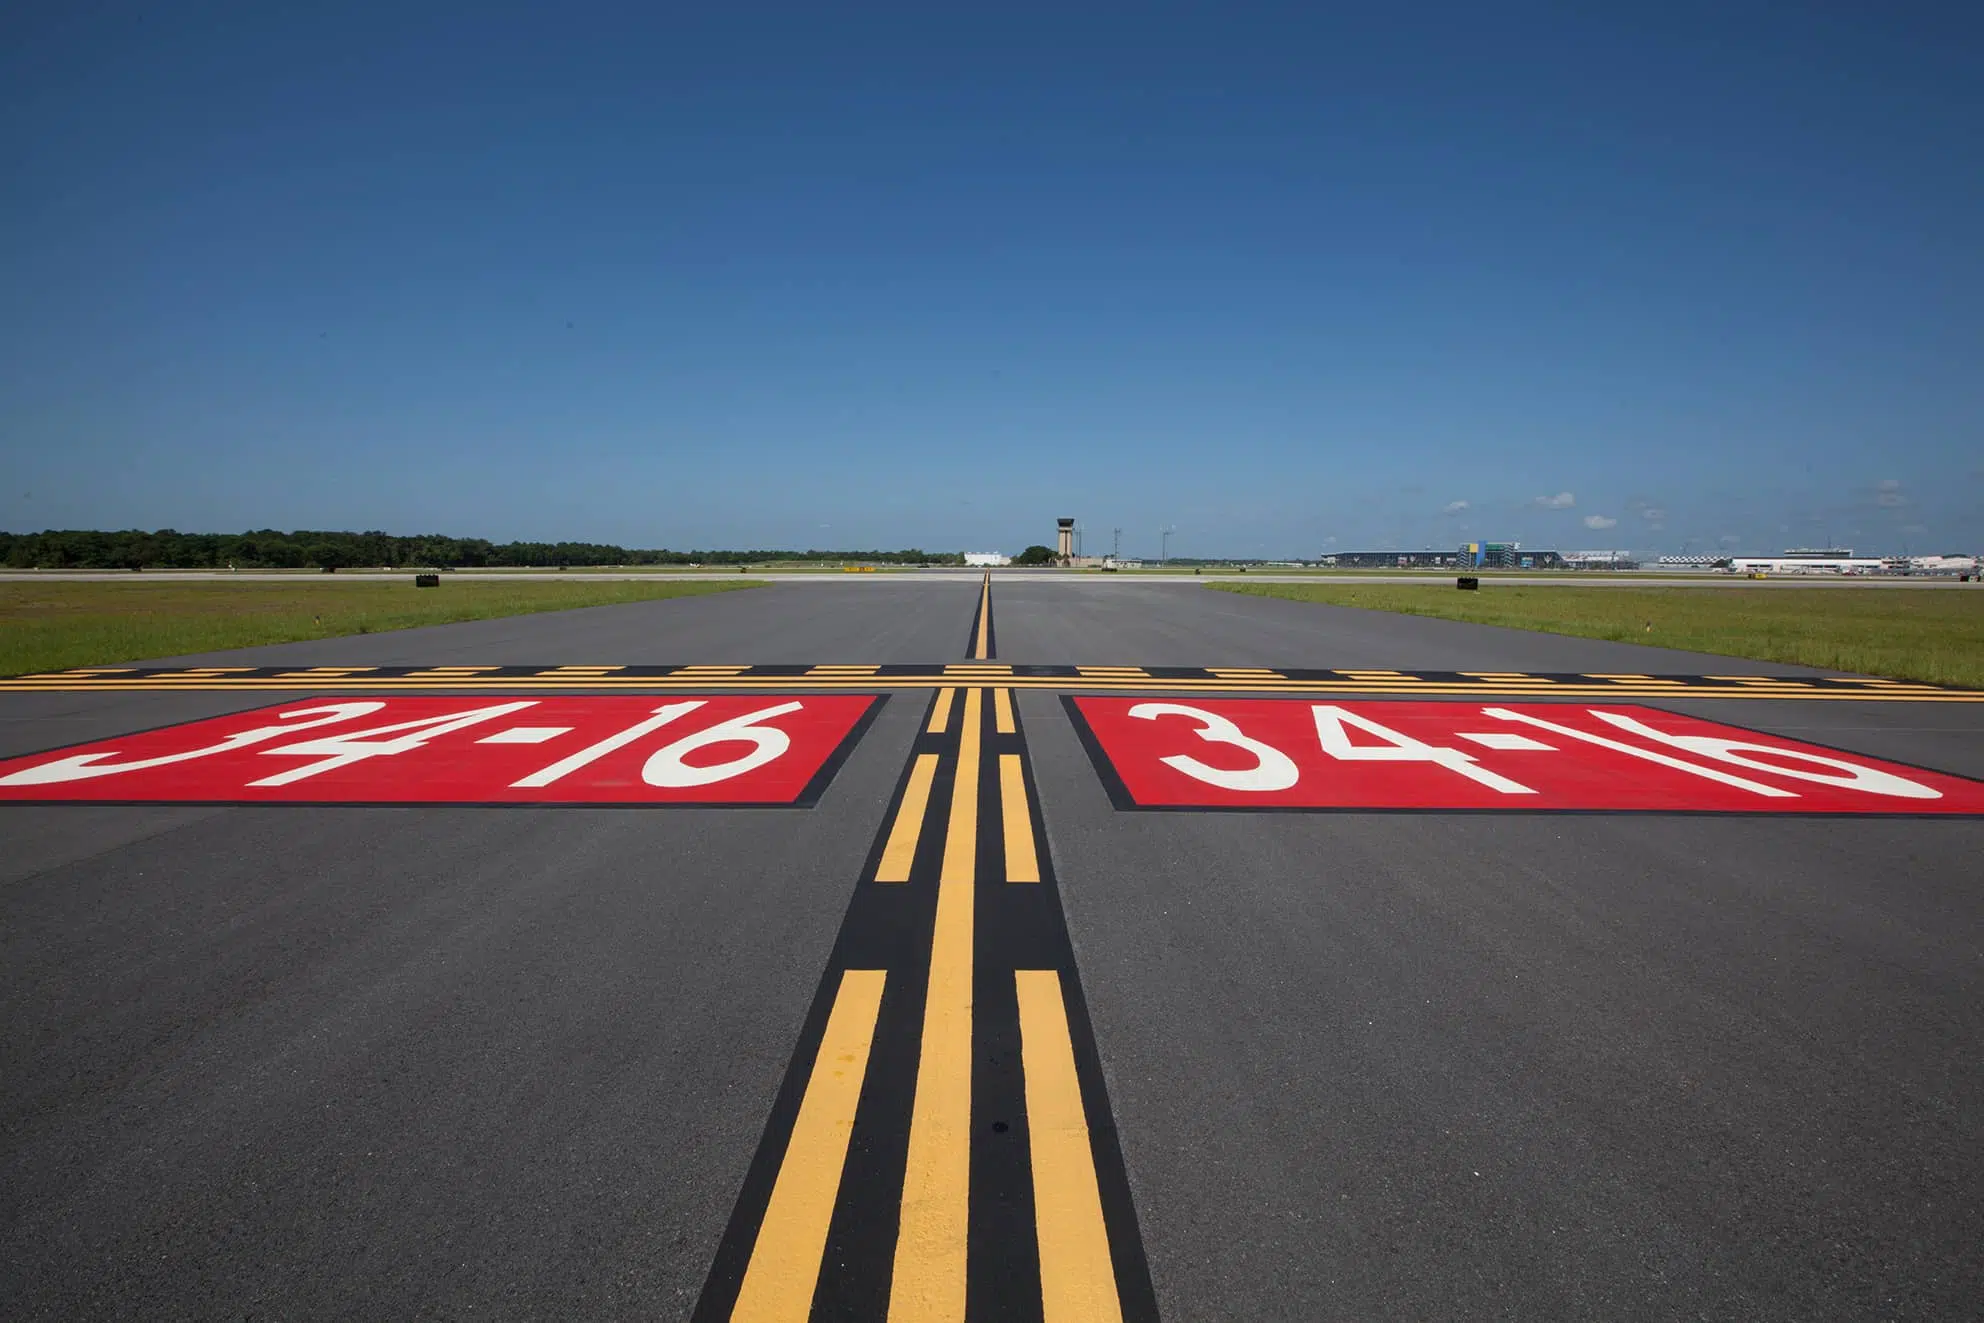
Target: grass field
x=55, y=625
x=1935, y=636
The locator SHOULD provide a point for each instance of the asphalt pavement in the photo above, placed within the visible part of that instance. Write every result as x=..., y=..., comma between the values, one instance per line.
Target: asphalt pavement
x=293, y=1061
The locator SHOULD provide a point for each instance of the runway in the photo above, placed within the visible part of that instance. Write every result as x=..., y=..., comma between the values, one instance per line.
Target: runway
x=999, y=988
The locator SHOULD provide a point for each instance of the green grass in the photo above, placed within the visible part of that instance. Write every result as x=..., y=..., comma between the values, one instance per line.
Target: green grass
x=54, y=625
x=1933, y=635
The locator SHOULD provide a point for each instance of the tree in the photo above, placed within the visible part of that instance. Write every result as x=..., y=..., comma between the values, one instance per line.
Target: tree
x=1035, y=555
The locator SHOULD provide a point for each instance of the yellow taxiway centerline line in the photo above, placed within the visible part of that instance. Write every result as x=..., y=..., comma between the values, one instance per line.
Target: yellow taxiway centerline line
x=1077, y=1279
x=1002, y=712
x=784, y=1269
x=928, y=1285
x=980, y=652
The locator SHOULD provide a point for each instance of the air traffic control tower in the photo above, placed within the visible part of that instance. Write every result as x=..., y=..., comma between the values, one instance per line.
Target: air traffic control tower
x=1065, y=546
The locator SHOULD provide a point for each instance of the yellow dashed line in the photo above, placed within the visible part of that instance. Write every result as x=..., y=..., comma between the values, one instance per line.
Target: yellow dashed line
x=785, y=1260
x=900, y=851
x=1077, y=1279
x=940, y=711
x=1022, y=860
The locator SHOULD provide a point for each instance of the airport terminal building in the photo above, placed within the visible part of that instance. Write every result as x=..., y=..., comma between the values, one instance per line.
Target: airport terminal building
x=1469, y=555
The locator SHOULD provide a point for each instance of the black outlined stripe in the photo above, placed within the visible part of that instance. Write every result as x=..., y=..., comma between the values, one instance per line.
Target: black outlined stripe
x=889, y=926
x=798, y=677
x=982, y=646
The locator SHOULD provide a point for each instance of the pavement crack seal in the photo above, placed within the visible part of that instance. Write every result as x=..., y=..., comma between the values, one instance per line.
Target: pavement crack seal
x=942, y=1147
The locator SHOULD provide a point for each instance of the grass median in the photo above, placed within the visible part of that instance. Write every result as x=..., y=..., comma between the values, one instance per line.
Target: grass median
x=1933, y=635
x=56, y=625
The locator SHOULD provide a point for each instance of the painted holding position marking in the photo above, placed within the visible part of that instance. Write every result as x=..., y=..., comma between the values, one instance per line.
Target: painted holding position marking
x=712, y=749
x=1277, y=753
x=980, y=647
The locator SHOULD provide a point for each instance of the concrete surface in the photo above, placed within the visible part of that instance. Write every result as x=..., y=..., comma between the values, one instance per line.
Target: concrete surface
x=336, y=1063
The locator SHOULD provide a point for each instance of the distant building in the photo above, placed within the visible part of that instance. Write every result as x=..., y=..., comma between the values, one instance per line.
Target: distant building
x=1600, y=560
x=986, y=558
x=1473, y=555
x=1949, y=563
x=1807, y=562
x=1392, y=560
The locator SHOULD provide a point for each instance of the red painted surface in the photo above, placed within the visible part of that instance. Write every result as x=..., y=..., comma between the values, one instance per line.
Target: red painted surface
x=709, y=749
x=1270, y=753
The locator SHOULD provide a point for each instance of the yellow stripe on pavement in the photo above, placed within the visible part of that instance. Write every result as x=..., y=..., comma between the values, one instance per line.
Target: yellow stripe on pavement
x=785, y=1262
x=961, y=839
x=982, y=651
x=1077, y=1279
x=1022, y=860
x=1002, y=712
x=900, y=852
x=928, y=1285
x=940, y=712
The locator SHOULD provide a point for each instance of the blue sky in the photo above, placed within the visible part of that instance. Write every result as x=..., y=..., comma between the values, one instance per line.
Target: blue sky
x=756, y=274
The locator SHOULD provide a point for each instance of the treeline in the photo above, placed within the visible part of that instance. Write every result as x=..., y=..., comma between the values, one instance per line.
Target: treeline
x=271, y=549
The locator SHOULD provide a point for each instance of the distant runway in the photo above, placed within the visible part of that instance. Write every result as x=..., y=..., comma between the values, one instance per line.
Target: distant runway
x=1041, y=946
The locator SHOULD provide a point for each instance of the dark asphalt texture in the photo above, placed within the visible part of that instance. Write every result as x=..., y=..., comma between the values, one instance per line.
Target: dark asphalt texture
x=300, y=1063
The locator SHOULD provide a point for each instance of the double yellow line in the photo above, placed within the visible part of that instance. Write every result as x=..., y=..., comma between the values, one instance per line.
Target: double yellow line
x=929, y=1269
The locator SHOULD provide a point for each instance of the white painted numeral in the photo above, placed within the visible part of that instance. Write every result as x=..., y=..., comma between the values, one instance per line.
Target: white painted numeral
x=565, y=766
x=1836, y=771
x=665, y=767
x=350, y=747
x=1634, y=751
x=1272, y=770
x=85, y=766
x=1400, y=748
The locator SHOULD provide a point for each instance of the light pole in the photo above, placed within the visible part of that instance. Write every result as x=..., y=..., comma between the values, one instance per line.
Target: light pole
x=1164, y=543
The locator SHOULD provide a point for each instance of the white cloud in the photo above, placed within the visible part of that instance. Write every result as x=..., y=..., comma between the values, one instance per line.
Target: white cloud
x=1598, y=521
x=1454, y=507
x=1561, y=501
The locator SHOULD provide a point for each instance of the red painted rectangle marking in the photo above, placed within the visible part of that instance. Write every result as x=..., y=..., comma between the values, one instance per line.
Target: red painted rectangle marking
x=712, y=749
x=1520, y=757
